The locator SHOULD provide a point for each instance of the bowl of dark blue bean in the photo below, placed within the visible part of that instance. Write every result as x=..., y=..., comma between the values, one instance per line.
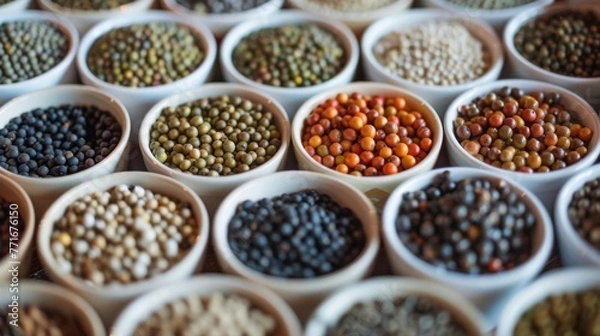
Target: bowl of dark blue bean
x=395, y=306
x=54, y=139
x=576, y=216
x=301, y=234
x=469, y=229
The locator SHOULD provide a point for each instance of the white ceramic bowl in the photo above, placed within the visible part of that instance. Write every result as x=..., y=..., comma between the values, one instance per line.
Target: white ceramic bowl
x=44, y=191
x=19, y=205
x=568, y=280
x=84, y=20
x=290, y=98
x=438, y=96
x=545, y=185
x=220, y=24
x=497, y=18
x=109, y=300
x=364, y=183
x=489, y=292
x=574, y=250
x=587, y=88
x=302, y=294
x=388, y=288
x=62, y=73
x=14, y=6
x=139, y=100
x=55, y=299
x=357, y=21
x=205, y=285
x=212, y=189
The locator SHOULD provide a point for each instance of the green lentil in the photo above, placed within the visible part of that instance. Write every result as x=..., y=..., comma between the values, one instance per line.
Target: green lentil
x=290, y=56
x=490, y=4
x=144, y=55
x=91, y=5
x=221, y=6
x=349, y=5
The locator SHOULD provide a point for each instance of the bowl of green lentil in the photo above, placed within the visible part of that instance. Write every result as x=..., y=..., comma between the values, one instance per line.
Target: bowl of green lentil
x=291, y=57
x=215, y=137
x=562, y=301
x=433, y=53
x=576, y=216
x=30, y=66
x=536, y=134
x=13, y=6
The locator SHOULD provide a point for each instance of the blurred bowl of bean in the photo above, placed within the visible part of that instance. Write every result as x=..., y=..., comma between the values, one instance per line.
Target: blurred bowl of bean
x=481, y=235
x=221, y=16
x=213, y=165
x=397, y=305
x=389, y=135
x=534, y=51
x=139, y=73
x=83, y=134
x=42, y=308
x=316, y=234
x=56, y=65
x=356, y=14
x=433, y=53
x=574, y=291
x=13, y=6
x=314, y=54
x=576, y=217
x=248, y=307
x=557, y=134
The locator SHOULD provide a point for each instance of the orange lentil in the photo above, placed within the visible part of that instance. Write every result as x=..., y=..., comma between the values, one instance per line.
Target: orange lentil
x=352, y=160
x=342, y=168
x=408, y=162
x=385, y=152
x=367, y=144
x=389, y=169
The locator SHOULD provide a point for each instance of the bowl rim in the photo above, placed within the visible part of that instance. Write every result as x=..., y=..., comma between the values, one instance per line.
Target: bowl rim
x=278, y=112
x=51, y=6
x=295, y=286
x=543, y=229
x=117, y=151
x=243, y=29
x=267, y=7
x=488, y=13
x=307, y=107
x=363, y=16
x=118, y=291
x=375, y=32
x=26, y=240
x=205, y=38
x=466, y=97
x=515, y=23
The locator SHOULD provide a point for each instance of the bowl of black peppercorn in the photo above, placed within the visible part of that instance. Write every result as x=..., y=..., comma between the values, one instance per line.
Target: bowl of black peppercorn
x=302, y=234
x=469, y=229
x=576, y=215
x=54, y=139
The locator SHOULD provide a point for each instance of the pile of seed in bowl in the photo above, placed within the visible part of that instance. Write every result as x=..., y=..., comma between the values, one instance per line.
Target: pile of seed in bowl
x=58, y=141
x=566, y=43
x=145, y=55
x=123, y=235
x=221, y=6
x=11, y=227
x=29, y=48
x=91, y=5
x=303, y=234
x=563, y=314
x=584, y=211
x=490, y=4
x=292, y=55
x=441, y=53
x=34, y=320
x=366, y=135
x=409, y=315
x=473, y=226
x=355, y=6
x=215, y=136
x=216, y=314
x=525, y=132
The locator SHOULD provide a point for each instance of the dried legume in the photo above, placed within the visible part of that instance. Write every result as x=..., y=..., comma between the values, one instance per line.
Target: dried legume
x=35, y=321
x=567, y=43
x=215, y=136
x=221, y=6
x=304, y=234
x=91, y=5
x=349, y=5
x=435, y=53
x=522, y=132
x=584, y=211
x=290, y=56
x=143, y=55
x=366, y=135
x=471, y=226
x=563, y=314
x=490, y=4
x=217, y=314
x=122, y=235
x=29, y=49
x=11, y=227
x=410, y=315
